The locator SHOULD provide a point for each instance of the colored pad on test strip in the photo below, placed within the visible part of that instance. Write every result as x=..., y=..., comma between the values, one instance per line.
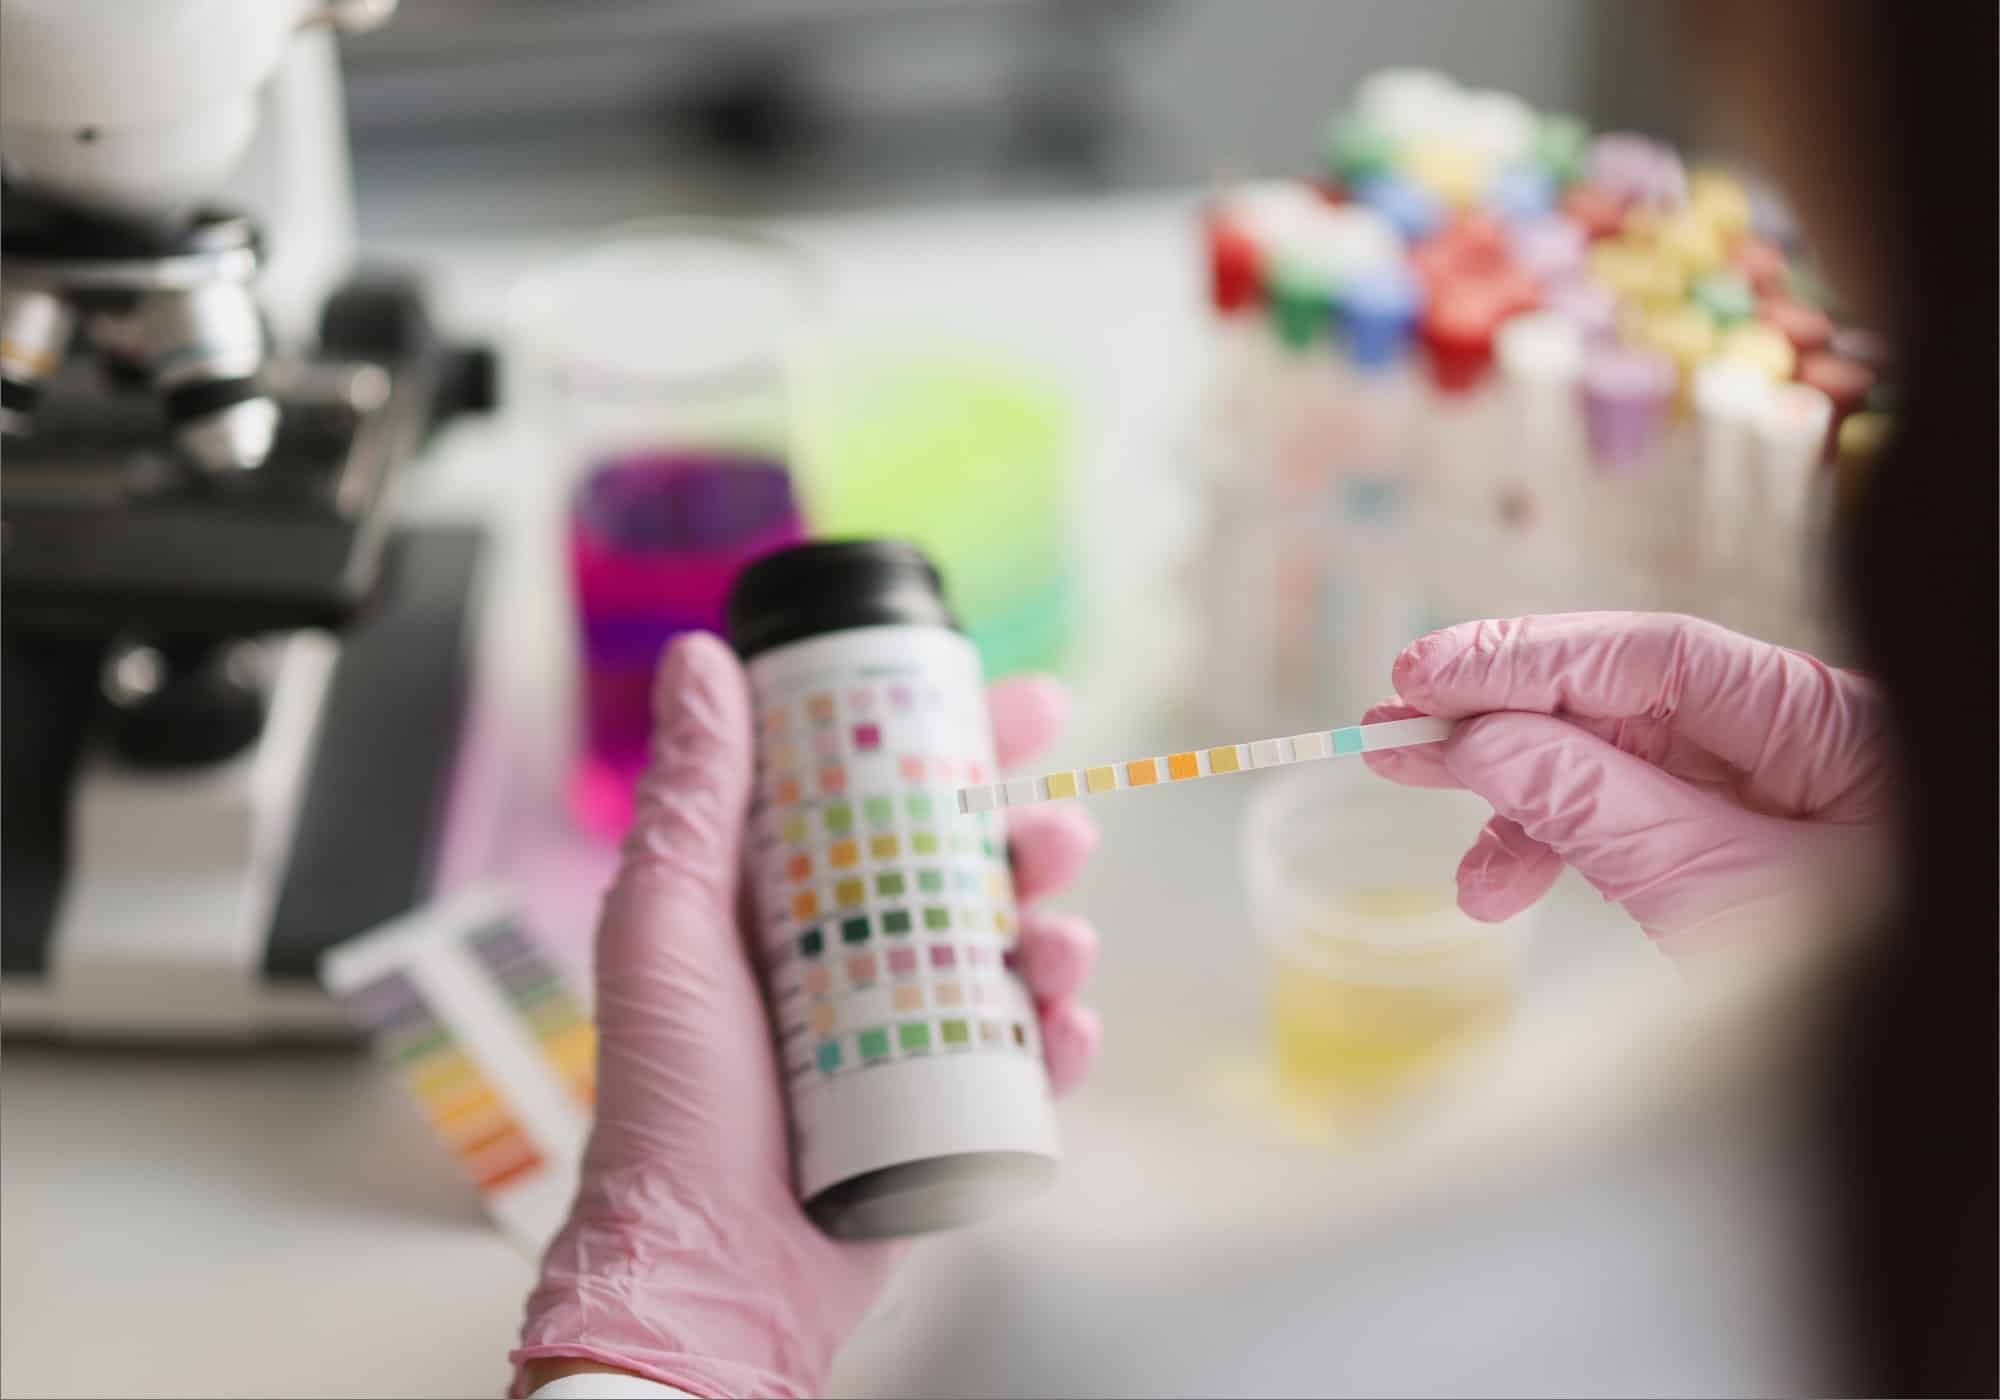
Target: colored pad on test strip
x=1164, y=770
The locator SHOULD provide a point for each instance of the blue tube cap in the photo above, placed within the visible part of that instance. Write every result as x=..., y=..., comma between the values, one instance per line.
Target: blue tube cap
x=1380, y=313
x=1521, y=194
x=1414, y=210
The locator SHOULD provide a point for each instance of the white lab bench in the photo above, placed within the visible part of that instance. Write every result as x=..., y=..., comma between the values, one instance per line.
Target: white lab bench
x=282, y=1223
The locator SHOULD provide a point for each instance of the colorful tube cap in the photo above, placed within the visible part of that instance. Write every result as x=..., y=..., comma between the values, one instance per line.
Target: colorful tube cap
x=1415, y=212
x=1380, y=313
x=1625, y=399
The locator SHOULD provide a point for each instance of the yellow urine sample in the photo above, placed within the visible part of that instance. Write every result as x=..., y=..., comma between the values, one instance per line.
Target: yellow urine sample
x=1358, y=1018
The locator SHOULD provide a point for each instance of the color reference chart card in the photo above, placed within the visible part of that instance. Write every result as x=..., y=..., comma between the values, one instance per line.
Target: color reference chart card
x=1216, y=762
x=489, y=1039
x=887, y=920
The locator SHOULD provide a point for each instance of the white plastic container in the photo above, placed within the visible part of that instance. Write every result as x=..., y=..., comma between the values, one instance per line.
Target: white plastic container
x=1376, y=975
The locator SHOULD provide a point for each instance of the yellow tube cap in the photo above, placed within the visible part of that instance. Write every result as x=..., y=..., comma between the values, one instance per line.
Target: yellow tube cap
x=1764, y=347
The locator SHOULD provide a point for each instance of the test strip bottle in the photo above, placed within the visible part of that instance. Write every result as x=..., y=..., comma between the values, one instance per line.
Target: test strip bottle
x=909, y=1050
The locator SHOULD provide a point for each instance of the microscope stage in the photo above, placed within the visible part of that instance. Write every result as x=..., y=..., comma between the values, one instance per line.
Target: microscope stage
x=105, y=531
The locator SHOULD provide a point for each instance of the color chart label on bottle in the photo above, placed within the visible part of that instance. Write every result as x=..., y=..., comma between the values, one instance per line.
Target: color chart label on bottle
x=887, y=919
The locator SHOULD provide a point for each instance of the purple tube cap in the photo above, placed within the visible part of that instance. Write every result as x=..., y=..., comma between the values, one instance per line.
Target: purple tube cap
x=1638, y=167
x=1625, y=398
x=1592, y=307
x=1550, y=248
x=1863, y=347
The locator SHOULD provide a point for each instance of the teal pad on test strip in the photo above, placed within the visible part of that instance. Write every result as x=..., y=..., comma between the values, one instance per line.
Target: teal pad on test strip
x=1164, y=770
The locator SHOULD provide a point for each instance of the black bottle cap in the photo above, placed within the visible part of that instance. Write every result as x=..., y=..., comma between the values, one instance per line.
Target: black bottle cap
x=832, y=585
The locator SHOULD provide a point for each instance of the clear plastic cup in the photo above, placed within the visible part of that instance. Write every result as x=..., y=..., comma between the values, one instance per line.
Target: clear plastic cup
x=662, y=365
x=1376, y=977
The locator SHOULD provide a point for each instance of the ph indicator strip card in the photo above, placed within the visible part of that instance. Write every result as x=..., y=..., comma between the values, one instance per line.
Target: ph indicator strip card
x=1215, y=762
x=491, y=1043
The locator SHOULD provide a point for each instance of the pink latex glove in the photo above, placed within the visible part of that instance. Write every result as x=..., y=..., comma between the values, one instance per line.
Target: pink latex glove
x=686, y=1257
x=1697, y=777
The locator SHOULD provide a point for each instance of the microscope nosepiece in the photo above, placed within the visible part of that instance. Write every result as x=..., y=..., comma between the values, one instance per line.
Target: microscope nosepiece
x=206, y=345
x=35, y=328
x=224, y=426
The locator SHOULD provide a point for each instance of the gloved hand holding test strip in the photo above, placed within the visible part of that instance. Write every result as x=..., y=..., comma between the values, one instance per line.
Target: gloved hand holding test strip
x=1203, y=763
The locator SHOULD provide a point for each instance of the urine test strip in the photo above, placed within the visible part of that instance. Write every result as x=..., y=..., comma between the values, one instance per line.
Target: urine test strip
x=490, y=1042
x=1164, y=769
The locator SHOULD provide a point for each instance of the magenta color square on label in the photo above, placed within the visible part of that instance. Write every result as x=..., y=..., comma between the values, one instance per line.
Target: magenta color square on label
x=902, y=960
x=899, y=696
x=867, y=736
x=944, y=955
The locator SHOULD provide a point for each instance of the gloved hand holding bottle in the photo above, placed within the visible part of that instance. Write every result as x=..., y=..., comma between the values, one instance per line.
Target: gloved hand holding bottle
x=687, y=1258
x=1697, y=777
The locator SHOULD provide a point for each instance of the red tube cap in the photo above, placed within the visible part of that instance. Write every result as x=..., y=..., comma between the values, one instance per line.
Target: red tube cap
x=1458, y=329
x=1235, y=269
x=1761, y=263
x=1595, y=211
x=1807, y=327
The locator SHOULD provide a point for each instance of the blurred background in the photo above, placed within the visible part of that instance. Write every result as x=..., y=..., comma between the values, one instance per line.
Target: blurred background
x=1214, y=350
x=465, y=112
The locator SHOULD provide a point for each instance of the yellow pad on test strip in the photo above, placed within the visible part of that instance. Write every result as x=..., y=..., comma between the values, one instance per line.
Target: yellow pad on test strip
x=1164, y=770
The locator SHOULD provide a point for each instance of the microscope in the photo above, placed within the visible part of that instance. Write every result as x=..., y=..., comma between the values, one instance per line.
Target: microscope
x=232, y=680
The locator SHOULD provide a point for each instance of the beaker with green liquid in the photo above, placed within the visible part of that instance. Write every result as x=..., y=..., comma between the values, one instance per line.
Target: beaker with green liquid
x=966, y=453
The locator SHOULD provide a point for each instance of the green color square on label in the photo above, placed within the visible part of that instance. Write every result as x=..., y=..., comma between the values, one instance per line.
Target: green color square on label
x=829, y=1055
x=873, y=1044
x=955, y=1032
x=935, y=918
x=890, y=883
x=930, y=881
x=838, y=816
x=854, y=931
x=914, y=1035
x=924, y=843
x=920, y=806
x=896, y=921
x=880, y=811
x=811, y=943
